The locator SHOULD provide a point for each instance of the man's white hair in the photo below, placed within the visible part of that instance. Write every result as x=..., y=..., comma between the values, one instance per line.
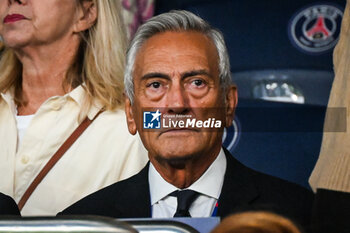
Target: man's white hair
x=177, y=20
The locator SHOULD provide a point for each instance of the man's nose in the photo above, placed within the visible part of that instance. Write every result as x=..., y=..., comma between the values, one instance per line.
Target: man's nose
x=17, y=1
x=177, y=100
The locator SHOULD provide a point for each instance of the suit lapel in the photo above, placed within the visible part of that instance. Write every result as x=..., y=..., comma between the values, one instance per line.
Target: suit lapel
x=238, y=189
x=136, y=198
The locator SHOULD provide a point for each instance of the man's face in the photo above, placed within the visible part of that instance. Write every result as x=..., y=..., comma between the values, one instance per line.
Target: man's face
x=178, y=73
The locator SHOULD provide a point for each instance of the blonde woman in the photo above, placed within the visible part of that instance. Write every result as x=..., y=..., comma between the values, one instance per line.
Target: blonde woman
x=62, y=64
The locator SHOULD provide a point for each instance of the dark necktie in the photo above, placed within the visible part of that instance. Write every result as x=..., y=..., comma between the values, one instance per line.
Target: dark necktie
x=184, y=200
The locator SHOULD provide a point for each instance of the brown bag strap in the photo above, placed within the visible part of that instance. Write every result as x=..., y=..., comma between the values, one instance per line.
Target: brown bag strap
x=59, y=153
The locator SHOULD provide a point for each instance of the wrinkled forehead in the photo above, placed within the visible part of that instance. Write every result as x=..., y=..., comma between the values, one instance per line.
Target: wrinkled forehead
x=180, y=38
x=177, y=51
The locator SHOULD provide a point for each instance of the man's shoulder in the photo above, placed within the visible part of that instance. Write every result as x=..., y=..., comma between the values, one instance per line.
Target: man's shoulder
x=107, y=201
x=265, y=192
x=263, y=182
x=283, y=189
x=283, y=197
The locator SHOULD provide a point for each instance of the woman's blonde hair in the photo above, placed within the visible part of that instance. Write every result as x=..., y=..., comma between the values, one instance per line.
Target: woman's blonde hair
x=99, y=63
x=256, y=222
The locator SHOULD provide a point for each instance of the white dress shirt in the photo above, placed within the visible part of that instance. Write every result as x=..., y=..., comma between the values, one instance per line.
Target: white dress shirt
x=209, y=186
x=104, y=154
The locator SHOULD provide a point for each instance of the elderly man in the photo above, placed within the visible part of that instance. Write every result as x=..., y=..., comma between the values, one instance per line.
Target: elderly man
x=178, y=67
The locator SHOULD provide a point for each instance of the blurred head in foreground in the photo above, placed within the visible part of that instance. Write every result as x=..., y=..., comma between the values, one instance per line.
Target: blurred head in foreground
x=256, y=222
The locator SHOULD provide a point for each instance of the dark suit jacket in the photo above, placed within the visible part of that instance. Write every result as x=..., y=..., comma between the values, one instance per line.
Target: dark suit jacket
x=243, y=189
x=8, y=206
x=331, y=212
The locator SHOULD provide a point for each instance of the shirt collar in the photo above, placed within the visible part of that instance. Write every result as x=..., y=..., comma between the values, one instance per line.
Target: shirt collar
x=78, y=94
x=210, y=183
x=159, y=188
x=8, y=97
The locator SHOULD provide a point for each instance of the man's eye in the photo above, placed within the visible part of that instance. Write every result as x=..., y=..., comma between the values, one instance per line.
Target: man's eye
x=198, y=82
x=154, y=85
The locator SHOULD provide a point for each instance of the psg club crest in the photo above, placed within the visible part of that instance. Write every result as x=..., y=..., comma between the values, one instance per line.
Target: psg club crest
x=315, y=29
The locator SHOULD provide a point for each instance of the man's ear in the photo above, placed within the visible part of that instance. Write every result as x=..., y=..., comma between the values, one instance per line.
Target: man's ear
x=130, y=116
x=231, y=104
x=86, y=16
